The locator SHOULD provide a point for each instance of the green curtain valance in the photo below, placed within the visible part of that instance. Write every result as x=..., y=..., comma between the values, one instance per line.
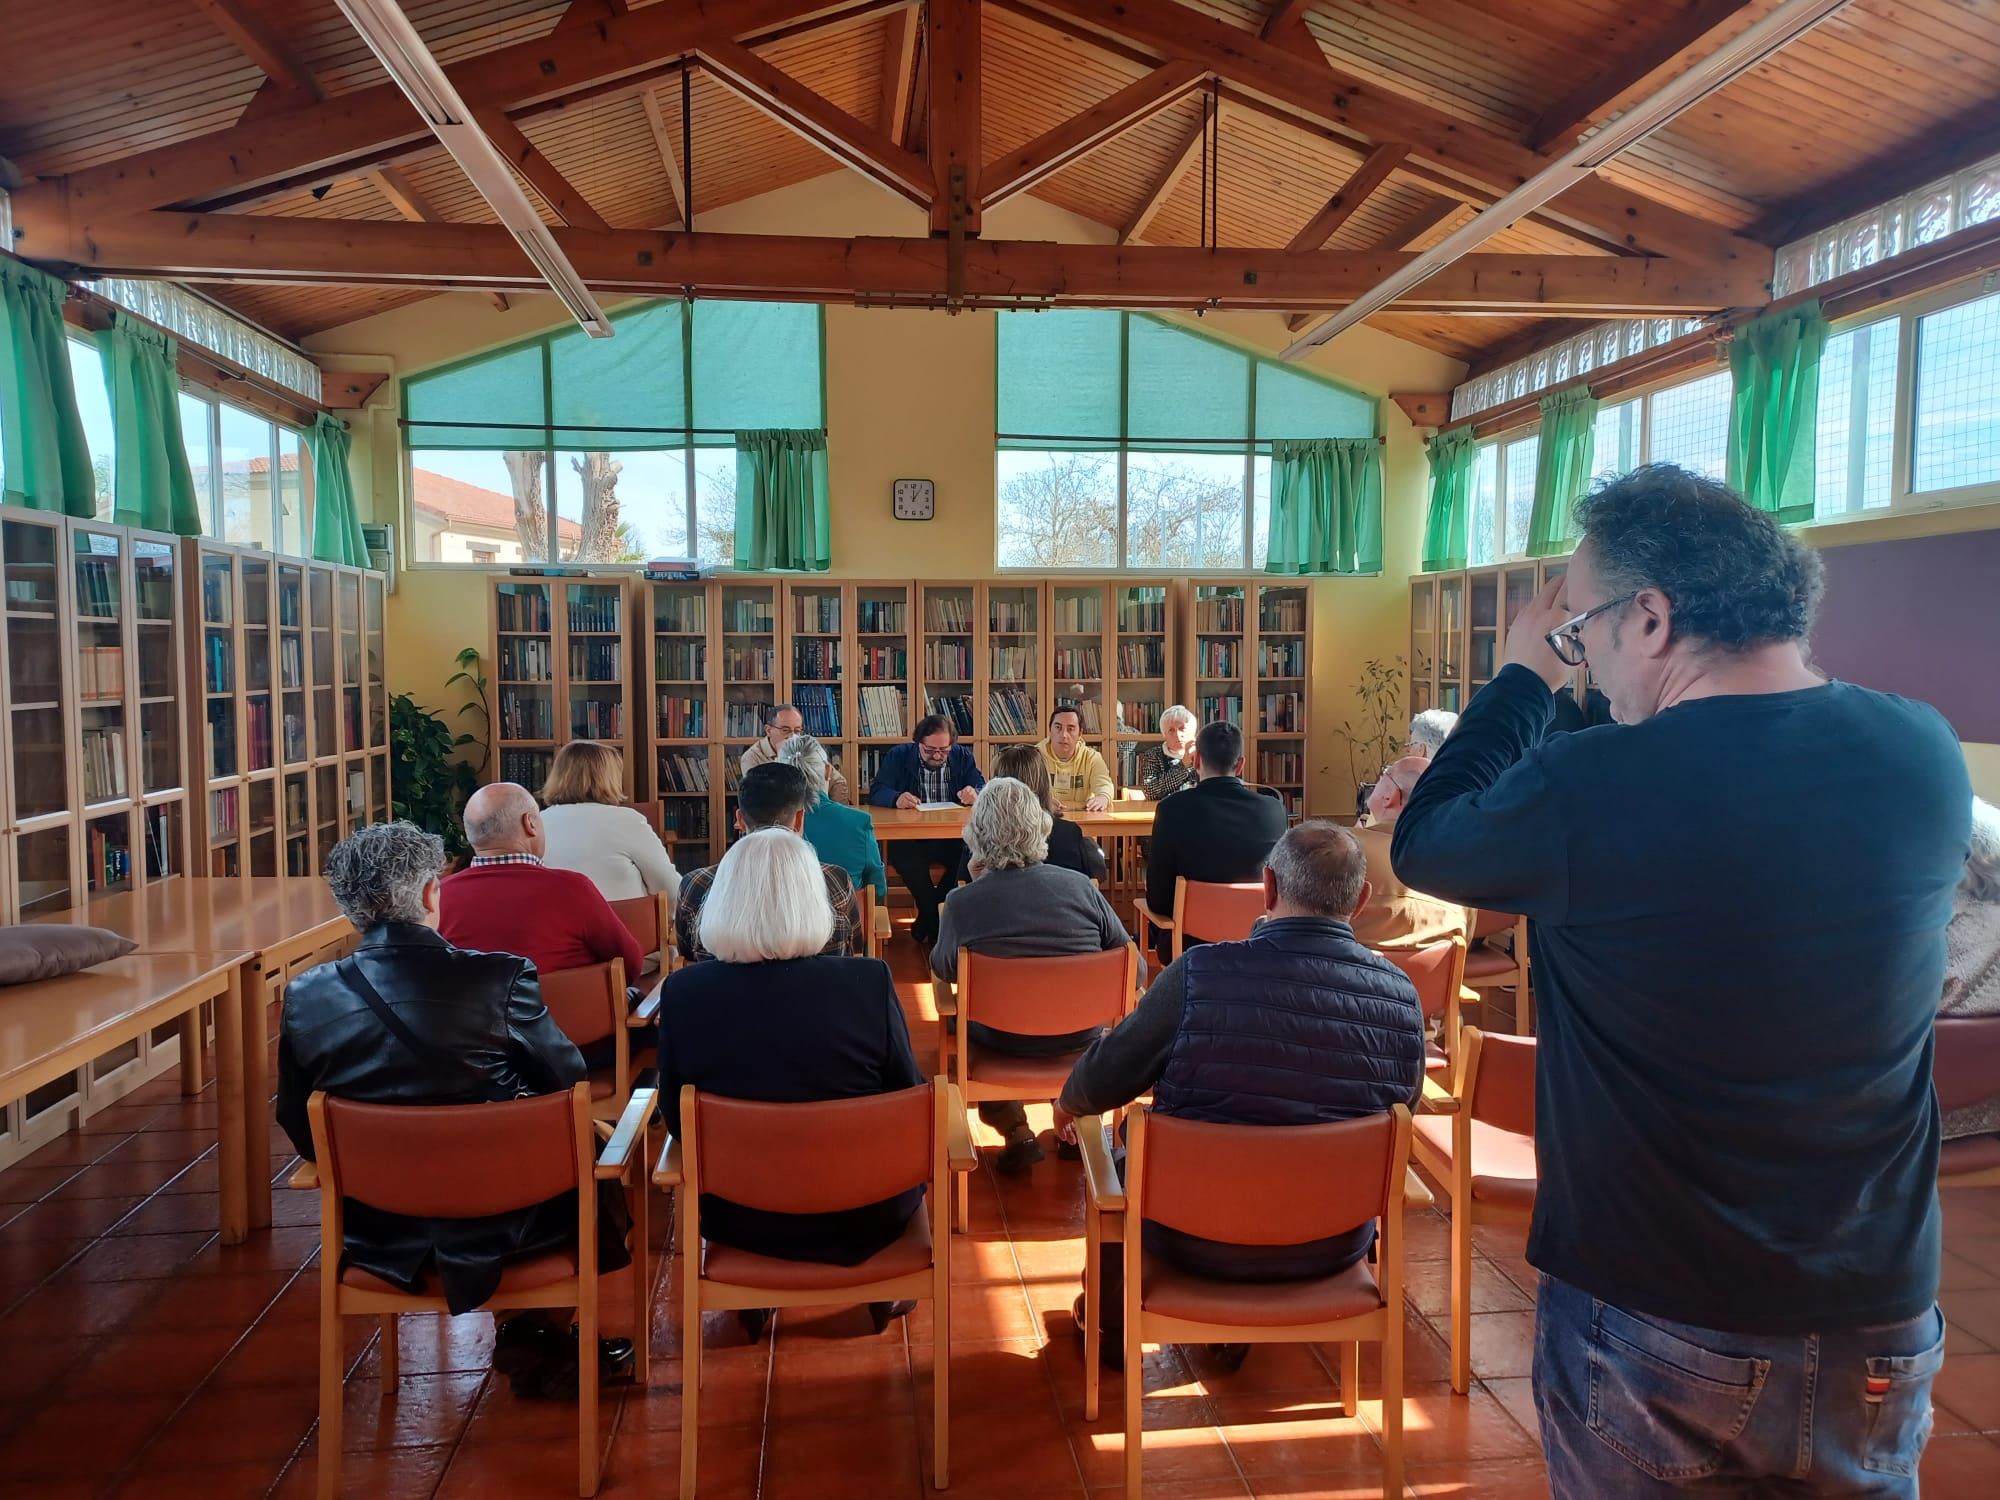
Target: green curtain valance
x=152, y=485
x=336, y=526
x=782, y=518
x=1774, y=411
x=46, y=458
x=1564, y=463
x=1452, y=454
x=1326, y=506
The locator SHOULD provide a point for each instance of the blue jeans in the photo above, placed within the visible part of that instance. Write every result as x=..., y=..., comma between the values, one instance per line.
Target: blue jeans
x=1635, y=1406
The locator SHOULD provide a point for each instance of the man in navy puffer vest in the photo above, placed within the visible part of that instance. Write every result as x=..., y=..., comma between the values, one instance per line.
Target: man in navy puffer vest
x=1297, y=1025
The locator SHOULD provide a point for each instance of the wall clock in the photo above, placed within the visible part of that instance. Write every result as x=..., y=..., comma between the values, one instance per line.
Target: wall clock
x=914, y=499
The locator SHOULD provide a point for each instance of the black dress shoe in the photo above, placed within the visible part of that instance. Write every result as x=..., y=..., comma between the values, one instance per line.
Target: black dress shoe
x=882, y=1314
x=1110, y=1343
x=1022, y=1151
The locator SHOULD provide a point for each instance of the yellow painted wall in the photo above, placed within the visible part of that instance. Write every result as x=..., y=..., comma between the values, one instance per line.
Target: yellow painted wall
x=909, y=394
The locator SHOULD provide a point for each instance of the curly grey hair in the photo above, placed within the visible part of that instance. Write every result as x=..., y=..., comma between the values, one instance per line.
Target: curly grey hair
x=1430, y=728
x=378, y=873
x=1982, y=865
x=810, y=756
x=1009, y=826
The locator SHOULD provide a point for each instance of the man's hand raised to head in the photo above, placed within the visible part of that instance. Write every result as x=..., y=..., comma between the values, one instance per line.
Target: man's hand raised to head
x=1527, y=644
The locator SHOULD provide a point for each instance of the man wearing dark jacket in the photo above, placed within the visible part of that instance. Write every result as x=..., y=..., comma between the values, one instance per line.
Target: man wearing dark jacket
x=933, y=767
x=1297, y=1025
x=1217, y=830
x=409, y=1019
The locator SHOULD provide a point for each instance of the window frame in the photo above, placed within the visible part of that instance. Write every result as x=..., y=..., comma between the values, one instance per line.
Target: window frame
x=1125, y=446
x=210, y=498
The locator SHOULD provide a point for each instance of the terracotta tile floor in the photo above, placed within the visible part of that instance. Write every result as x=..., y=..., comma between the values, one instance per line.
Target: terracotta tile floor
x=140, y=1357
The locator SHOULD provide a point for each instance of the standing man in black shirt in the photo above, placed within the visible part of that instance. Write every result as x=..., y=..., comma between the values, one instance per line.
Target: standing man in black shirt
x=1737, y=970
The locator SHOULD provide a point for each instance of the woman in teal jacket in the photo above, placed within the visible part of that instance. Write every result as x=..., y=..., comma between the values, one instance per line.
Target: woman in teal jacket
x=843, y=835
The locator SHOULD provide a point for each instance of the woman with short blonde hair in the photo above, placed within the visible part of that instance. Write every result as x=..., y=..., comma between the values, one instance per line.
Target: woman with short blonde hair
x=592, y=830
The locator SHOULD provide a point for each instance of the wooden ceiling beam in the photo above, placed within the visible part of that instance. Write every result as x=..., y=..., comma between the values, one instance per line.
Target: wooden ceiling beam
x=865, y=269
x=359, y=129
x=1081, y=134
x=1163, y=186
x=1414, y=227
x=409, y=201
x=1286, y=27
x=1693, y=36
x=952, y=113
x=817, y=120
x=663, y=142
x=535, y=169
x=251, y=29
x=899, y=81
x=1363, y=110
x=1370, y=175
x=589, y=13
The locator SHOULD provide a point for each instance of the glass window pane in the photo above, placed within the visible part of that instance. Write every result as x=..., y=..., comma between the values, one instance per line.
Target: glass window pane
x=1184, y=510
x=1058, y=510
x=715, y=506
x=1181, y=385
x=246, y=478
x=294, y=460
x=199, y=442
x=1485, y=520
x=1260, y=511
x=1615, y=442
x=1293, y=404
x=464, y=507
x=632, y=380
x=1857, y=420
x=756, y=364
x=1691, y=426
x=1520, y=458
x=1957, y=420
x=86, y=370
x=622, y=507
x=1058, y=375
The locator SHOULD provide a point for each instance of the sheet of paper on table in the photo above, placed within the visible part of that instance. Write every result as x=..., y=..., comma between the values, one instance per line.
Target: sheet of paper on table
x=936, y=806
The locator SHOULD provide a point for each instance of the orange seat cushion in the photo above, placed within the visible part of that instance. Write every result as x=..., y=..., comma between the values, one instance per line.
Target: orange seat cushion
x=1032, y=1077
x=1488, y=963
x=910, y=1253
x=603, y=1084
x=1972, y=1153
x=1503, y=1161
x=1173, y=1293
x=1434, y=1059
x=516, y=1276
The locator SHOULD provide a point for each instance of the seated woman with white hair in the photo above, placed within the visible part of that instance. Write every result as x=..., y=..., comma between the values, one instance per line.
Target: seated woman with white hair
x=844, y=836
x=1169, y=766
x=1020, y=906
x=775, y=1019
x=1972, y=956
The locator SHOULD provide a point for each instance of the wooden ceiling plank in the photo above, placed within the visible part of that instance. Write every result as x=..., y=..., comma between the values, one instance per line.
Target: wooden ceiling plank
x=952, y=48
x=1417, y=225
x=535, y=169
x=255, y=35
x=818, y=120
x=1286, y=26
x=1163, y=186
x=1485, y=159
x=1369, y=176
x=588, y=13
x=409, y=201
x=899, y=83
x=1083, y=133
x=868, y=268
x=1697, y=33
x=663, y=142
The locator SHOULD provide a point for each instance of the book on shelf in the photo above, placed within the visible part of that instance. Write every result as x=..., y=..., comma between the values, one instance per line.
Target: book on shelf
x=1215, y=658
x=743, y=721
x=816, y=659
x=1281, y=713
x=869, y=763
x=687, y=818
x=1222, y=612
x=1142, y=659
x=522, y=608
x=220, y=679
x=816, y=614
x=1079, y=661
x=527, y=660
x=732, y=773
x=948, y=613
x=295, y=805
x=1077, y=614
x=819, y=708
x=97, y=587
x=682, y=613
x=291, y=662
x=1282, y=612
x=216, y=598
x=1142, y=610
x=683, y=770
x=1281, y=767
x=529, y=768
x=1011, y=711
x=597, y=718
x=1140, y=715
x=103, y=756
x=880, y=616
x=100, y=671
x=747, y=616
x=680, y=660
x=159, y=842
x=881, y=712
x=595, y=608
x=948, y=661
x=526, y=714
x=1010, y=616
x=682, y=718
x=596, y=661
x=885, y=664
x=957, y=709
x=110, y=859
x=223, y=809
x=1281, y=658
x=749, y=664
x=1013, y=663
x=1224, y=707
x=257, y=731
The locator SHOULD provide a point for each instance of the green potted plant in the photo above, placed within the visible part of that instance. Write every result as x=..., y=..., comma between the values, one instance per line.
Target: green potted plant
x=430, y=783
x=1376, y=734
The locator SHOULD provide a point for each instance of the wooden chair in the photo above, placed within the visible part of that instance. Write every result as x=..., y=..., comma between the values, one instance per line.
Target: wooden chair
x=1203, y=910
x=650, y=920
x=1489, y=968
x=589, y=1005
x=1438, y=972
x=816, y=1158
x=1966, y=1070
x=466, y=1161
x=1031, y=997
x=1479, y=1144
x=1271, y=1185
x=874, y=919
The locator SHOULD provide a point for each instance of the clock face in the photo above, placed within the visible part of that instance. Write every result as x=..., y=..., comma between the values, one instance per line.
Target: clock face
x=914, y=499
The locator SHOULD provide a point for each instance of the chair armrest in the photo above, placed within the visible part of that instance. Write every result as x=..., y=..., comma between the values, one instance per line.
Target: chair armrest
x=944, y=996
x=667, y=1173
x=618, y=1154
x=1415, y=1194
x=958, y=1134
x=647, y=1010
x=1437, y=1099
x=1467, y=995
x=305, y=1176
x=1100, y=1173
x=1148, y=917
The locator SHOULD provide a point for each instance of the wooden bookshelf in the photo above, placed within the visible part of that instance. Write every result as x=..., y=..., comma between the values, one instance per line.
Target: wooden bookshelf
x=1281, y=677
x=1080, y=648
x=884, y=626
x=819, y=644
x=560, y=671
x=1458, y=628
x=681, y=695
x=1422, y=659
x=946, y=655
x=1012, y=654
x=1218, y=658
x=1143, y=666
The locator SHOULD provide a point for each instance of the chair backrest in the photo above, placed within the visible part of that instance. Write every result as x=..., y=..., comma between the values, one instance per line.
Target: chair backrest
x=1436, y=970
x=587, y=1003
x=1486, y=924
x=641, y=916
x=1269, y=1184
x=809, y=1158
x=1503, y=1080
x=1217, y=913
x=1966, y=1063
x=454, y=1161
x=1046, y=996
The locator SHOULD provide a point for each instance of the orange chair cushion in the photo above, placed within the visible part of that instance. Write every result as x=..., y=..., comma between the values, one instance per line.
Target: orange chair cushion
x=1503, y=1162
x=1489, y=963
x=603, y=1083
x=1972, y=1153
x=910, y=1253
x=1434, y=1059
x=516, y=1276
x=1173, y=1293
x=1034, y=1077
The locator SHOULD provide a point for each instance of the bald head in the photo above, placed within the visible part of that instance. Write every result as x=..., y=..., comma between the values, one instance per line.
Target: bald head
x=1393, y=788
x=503, y=818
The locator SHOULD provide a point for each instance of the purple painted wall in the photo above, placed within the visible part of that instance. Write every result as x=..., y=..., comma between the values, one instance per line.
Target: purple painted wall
x=1920, y=618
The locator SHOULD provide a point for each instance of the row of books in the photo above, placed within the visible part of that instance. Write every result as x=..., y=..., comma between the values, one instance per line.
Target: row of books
x=221, y=738
x=881, y=712
x=1146, y=612
x=1226, y=707
x=1142, y=659
x=682, y=718
x=1282, y=658
x=257, y=733
x=1141, y=716
x=217, y=600
x=952, y=612
x=595, y=608
x=1079, y=661
x=100, y=672
x=1013, y=664
x=160, y=840
x=1077, y=614
x=749, y=664
x=97, y=587
x=1282, y=612
x=219, y=674
x=527, y=660
x=956, y=709
x=596, y=661
x=292, y=725
x=682, y=661
x=110, y=859
x=1216, y=658
x=743, y=721
x=1281, y=767
x=1010, y=617
x=747, y=616
x=880, y=616
x=688, y=819
x=1281, y=713
x=819, y=709
x=295, y=805
x=948, y=661
x=885, y=664
x=684, y=771
x=526, y=716
x=1086, y=712
x=224, y=810
x=291, y=662
x=103, y=764
x=289, y=613
x=517, y=608
x=816, y=613
x=1011, y=711
x=1224, y=613
x=528, y=768
x=816, y=661
x=685, y=614
x=597, y=718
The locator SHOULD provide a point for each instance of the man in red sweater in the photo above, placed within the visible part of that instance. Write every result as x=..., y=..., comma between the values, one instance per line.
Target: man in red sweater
x=508, y=901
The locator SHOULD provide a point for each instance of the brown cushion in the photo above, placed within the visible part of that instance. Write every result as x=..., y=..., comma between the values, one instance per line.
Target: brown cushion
x=1434, y=1059
x=910, y=1253
x=1503, y=1161
x=516, y=1276
x=1033, y=1077
x=1174, y=1293
x=1972, y=1153
x=1489, y=963
x=49, y=950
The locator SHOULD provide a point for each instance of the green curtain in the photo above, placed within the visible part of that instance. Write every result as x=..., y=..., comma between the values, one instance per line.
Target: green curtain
x=1326, y=506
x=46, y=460
x=336, y=527
x=152, y=485
x=1774, y=413
x=1452, y=453
x=781, y=509
x=1563, y=465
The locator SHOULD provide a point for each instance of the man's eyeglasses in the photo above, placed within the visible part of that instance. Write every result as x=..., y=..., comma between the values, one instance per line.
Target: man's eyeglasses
x=1566, y=640
x=935, y=754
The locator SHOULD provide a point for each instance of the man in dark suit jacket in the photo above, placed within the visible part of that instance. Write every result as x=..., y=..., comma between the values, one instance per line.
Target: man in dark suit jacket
x=1219, y=830
x=933, y=767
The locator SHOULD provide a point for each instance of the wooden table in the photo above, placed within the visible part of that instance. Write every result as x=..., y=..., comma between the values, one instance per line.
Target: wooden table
x=1119, y=820
x=277, y=928
x=55, y=1026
